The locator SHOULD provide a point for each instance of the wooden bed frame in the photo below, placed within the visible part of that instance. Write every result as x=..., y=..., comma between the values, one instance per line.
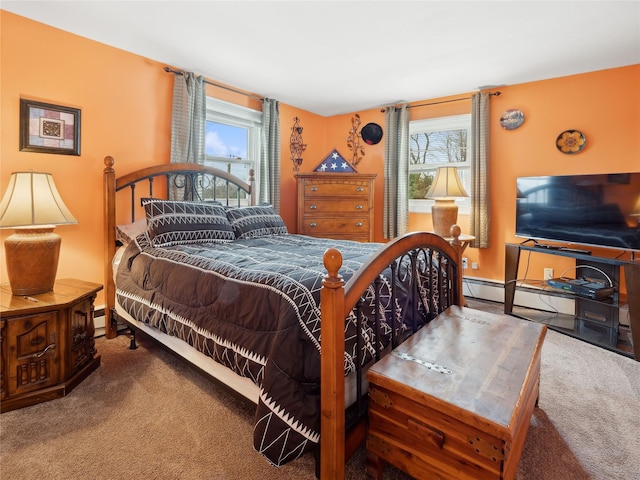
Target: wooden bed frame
x=338, y=299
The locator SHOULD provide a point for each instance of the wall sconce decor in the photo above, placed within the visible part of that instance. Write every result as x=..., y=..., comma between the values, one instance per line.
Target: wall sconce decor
x=296, y=144
x=353, y=140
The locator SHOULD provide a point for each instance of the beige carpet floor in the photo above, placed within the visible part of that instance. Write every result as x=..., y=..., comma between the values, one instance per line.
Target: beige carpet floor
x=145, y=415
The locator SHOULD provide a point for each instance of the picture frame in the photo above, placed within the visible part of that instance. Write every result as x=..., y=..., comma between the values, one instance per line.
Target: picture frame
x=49, y=128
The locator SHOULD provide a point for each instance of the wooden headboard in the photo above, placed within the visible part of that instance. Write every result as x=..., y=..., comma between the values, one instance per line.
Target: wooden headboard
x=192, y=182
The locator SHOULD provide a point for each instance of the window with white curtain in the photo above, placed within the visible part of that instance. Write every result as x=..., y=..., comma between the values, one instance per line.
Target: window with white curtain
x=232, y=138
x=433, y=143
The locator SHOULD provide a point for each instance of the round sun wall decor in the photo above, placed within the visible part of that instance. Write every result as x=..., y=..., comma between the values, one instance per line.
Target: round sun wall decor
x=571, y=141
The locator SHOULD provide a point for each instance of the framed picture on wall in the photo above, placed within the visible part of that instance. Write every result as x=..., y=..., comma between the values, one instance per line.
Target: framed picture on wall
x=48, y=128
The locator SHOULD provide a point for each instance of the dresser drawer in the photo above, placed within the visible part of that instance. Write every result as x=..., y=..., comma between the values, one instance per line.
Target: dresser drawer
x=313, y=188
x=329, y=205
x=318, y=226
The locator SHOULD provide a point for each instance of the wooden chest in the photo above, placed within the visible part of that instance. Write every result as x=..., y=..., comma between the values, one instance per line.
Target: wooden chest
x=336, y=205
x=455, y=400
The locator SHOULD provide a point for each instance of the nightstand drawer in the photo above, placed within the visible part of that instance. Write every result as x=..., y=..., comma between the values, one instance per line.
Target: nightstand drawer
x=33, y=352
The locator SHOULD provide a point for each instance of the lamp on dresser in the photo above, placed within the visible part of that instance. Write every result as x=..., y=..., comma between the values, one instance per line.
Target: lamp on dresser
x=444, y=190
x=33, y=207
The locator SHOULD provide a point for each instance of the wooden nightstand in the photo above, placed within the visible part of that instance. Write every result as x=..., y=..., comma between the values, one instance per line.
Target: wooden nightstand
x=47, y=342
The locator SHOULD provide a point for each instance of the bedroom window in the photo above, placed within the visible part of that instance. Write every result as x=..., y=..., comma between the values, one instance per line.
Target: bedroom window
x=432, y=143
x=232, y=138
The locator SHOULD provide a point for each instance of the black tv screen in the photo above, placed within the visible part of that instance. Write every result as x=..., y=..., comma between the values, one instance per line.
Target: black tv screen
x=601, y=210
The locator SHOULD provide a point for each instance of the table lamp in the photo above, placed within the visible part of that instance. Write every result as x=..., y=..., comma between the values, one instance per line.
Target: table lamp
x=444, y=190
x=33, y=207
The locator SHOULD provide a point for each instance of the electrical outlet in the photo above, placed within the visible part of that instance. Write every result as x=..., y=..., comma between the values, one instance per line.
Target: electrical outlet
x=465, y=262
x=474, y=265
x=548, y=273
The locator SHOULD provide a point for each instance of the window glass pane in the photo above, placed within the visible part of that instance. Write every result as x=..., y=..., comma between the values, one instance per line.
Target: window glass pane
x=225, y=141
x=419, y=184
x=432, y=143
x=438, y=147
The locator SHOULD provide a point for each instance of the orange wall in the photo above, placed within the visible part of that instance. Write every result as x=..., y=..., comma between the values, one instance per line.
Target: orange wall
x=126, y=112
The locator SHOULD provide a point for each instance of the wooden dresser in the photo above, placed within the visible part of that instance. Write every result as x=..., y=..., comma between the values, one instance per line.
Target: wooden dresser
x=47, y=341
x=336, y=205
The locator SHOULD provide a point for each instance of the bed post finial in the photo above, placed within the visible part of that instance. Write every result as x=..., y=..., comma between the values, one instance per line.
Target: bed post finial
x=108, y=163
x=332, y=262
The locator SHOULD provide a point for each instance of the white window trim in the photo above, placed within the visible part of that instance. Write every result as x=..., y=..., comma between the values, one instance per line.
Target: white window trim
x=451, y=122
x=229, y=113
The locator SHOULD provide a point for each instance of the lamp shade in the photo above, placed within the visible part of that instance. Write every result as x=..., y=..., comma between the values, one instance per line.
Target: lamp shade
x=447, y=184
x=32, y=199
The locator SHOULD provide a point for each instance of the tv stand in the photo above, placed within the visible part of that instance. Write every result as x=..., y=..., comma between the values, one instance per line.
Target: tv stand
x=595, y=320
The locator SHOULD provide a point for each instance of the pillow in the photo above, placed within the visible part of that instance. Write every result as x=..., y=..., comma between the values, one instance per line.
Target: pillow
x=257, y=221
x=175, y=223
x=126, y=233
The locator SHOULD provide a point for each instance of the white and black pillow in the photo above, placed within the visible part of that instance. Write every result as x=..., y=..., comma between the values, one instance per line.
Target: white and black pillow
x=256, y=221
x=174, y=222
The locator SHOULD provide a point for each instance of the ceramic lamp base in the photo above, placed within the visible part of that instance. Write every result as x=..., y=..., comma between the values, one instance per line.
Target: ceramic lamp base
x=32, y=260
x=444, y=214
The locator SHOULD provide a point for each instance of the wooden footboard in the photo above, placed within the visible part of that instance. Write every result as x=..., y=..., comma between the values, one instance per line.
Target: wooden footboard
x=338, y=299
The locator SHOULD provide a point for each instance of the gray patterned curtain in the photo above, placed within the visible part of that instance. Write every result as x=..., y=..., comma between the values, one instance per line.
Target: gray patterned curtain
x=396, y=172
x=480, y=211
x=269, y=178
x=188, y=118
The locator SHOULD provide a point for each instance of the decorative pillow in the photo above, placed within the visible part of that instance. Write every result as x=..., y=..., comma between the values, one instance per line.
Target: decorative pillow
x=257, y=221
x=127, y=233
x=175, y=223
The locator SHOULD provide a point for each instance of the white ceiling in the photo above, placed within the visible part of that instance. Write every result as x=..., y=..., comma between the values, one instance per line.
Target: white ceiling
x=333, y=57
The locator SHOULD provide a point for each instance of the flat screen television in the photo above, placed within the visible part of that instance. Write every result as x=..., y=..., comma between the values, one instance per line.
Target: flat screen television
x=599, y=210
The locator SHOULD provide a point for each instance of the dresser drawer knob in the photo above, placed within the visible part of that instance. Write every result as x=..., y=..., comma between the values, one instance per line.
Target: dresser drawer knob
x=358, y=224
x=314, y=189
x=358, y=207
x=313, y=207
x=360, y=189
x=313, y=224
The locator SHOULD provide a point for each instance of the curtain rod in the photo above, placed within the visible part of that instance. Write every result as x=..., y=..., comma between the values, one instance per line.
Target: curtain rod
x=494, y=94
x=179, y=72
